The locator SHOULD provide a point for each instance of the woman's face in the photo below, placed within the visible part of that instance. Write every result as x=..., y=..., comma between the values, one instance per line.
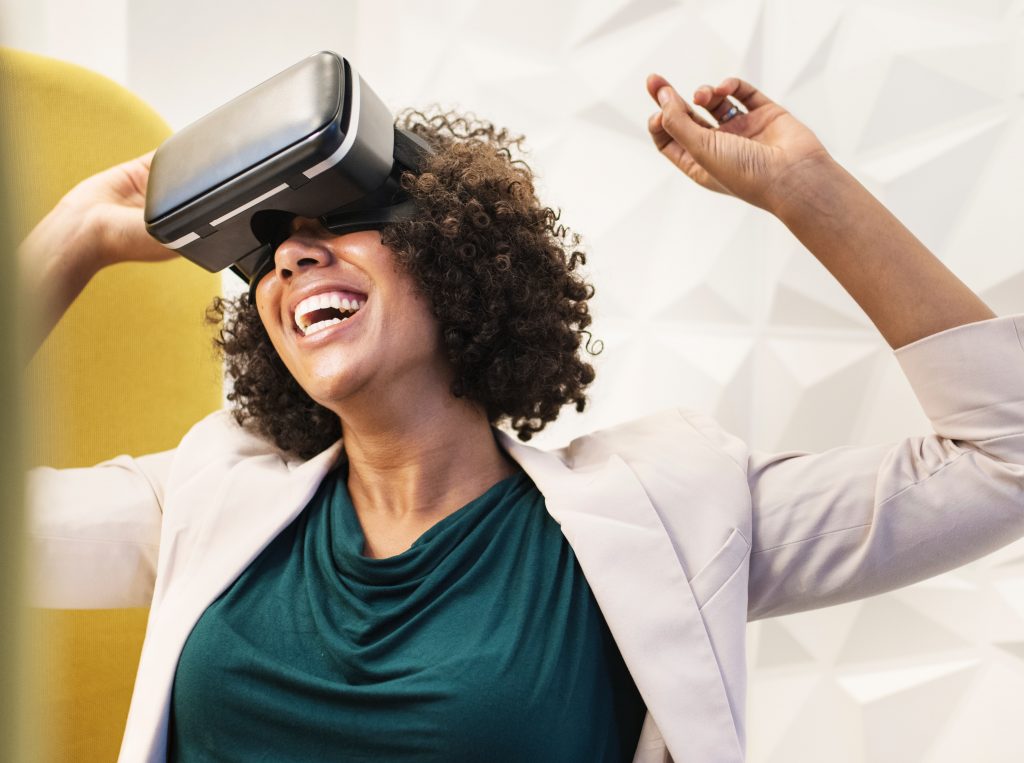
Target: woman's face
x=348, y=321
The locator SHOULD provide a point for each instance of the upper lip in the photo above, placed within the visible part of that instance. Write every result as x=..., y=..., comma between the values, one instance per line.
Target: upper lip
x=319, y=287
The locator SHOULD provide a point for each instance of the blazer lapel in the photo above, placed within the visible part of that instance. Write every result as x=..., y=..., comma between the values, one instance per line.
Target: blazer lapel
x=262, y=496
x=632, y=568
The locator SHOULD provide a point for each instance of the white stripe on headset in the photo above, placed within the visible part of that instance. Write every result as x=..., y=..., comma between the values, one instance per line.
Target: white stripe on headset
x=350, y=137
x=188, y=238
x=248, y=204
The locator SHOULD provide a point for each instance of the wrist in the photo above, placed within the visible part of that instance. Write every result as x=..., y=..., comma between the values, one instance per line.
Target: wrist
x=58, y=242
x=77, y=232
x=801, y=189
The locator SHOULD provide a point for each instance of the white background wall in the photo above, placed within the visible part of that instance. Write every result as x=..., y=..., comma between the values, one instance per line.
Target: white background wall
x=703, y=301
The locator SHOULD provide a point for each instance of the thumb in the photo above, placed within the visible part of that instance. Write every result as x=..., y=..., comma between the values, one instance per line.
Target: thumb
x=680, y=122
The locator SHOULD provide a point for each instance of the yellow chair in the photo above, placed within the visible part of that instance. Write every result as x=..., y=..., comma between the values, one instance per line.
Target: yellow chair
x=128, y=370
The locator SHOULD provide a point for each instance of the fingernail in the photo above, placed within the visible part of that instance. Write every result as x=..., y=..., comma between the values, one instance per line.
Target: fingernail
x=663, y=96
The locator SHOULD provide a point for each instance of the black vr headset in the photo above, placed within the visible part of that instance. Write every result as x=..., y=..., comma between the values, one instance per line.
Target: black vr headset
x=312, y=141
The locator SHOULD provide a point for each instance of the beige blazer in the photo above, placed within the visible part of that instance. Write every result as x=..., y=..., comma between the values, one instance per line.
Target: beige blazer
x=683, y=532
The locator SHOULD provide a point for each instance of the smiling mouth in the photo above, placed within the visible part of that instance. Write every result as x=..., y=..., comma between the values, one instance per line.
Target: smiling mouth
x=321, y=311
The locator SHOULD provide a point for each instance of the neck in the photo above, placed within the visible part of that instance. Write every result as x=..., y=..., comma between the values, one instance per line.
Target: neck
x=419, y=468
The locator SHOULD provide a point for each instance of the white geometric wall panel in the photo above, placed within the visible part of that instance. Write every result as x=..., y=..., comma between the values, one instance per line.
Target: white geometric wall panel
x=701, y=300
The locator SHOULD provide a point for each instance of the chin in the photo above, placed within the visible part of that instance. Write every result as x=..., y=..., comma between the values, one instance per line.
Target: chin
x=328, y=383
x=332, y=393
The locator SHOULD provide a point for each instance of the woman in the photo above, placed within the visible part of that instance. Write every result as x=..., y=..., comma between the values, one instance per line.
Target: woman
x=431, y=589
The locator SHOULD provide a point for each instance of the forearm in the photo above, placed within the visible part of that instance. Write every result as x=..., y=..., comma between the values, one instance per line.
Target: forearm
x=55, y=262
x=905, y=290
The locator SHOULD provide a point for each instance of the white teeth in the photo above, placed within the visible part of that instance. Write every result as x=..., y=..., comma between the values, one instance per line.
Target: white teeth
x=321, y=325
x=332, y=299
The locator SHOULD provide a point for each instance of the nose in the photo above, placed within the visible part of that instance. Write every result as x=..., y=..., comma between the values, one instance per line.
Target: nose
x=304, y=248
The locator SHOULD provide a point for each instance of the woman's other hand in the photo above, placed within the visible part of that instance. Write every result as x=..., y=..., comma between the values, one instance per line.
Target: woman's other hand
x=110, y=207
x=770, y=159
x=753, y=156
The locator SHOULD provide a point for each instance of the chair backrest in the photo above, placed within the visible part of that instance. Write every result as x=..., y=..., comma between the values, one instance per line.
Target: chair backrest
x=128, y=370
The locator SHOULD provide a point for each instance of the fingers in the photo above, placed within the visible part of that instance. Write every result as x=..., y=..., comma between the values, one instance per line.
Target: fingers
x=655, y=82
x=731, y=92
x=657, y=131
x=679, y=156
x=676, y=123
x=743, y=91
x=137, y=170
x=717, y=100
x=665, y=143
x=717, y=103
x=705, y=96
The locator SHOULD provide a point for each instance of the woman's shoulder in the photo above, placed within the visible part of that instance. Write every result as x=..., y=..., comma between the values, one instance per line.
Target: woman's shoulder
x=669, y=434
x=220, y=437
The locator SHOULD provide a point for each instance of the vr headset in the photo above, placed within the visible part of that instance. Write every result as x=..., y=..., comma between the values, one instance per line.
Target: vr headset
x=312, y=141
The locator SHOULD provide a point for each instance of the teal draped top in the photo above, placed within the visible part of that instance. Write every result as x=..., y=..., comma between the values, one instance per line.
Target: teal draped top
x=481, y=642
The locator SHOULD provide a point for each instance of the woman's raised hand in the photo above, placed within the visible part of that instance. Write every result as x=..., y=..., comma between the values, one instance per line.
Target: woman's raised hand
x=111, y=205
x=97, y=223
x=753, y=155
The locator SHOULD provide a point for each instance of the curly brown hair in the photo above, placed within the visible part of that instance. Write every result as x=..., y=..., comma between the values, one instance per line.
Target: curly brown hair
x=499, y=270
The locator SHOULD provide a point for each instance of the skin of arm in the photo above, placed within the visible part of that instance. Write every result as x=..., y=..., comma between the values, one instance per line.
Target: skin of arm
x=55, y=262
x=97, y=223
x=768, y=158
x=906, y=291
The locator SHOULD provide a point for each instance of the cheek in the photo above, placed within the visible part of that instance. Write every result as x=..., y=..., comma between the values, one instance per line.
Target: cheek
x=275, y=332
x=268, y=305
x=266, y=295
x=420, y=324
x=279, y=349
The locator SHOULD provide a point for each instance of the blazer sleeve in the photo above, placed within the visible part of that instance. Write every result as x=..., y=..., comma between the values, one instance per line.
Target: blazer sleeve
x=94, y=532
x=852, y=522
